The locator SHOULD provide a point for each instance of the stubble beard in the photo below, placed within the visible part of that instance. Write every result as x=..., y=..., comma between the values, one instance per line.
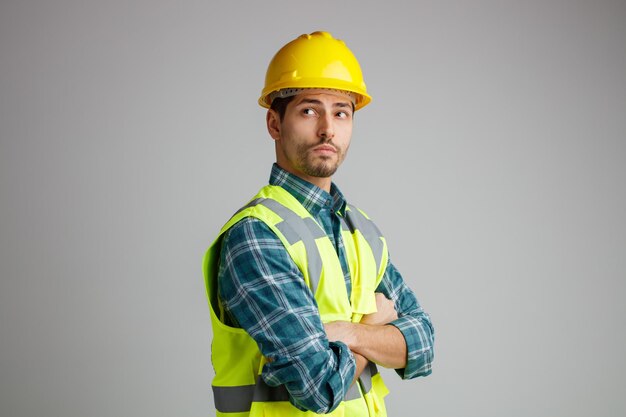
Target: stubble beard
x=318, y=166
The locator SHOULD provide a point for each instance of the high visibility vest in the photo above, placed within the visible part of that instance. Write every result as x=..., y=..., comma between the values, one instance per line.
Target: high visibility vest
x=238, y=389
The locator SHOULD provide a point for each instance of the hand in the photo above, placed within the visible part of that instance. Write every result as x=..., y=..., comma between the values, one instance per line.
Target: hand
x=342, y=331
x=386, y=312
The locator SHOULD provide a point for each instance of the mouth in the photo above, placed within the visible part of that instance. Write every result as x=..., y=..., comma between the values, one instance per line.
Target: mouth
x=325, y=149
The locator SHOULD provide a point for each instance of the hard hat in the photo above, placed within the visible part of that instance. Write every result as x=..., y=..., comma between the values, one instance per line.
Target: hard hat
x=315, y=61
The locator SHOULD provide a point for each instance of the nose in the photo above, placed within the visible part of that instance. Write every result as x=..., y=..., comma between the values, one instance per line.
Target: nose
x=326, y=128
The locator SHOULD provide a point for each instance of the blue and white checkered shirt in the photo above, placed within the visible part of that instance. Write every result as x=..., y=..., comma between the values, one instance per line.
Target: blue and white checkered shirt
x=262, y=291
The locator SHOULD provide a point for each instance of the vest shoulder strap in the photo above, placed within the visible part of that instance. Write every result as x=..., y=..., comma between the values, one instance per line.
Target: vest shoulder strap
x=292, y=224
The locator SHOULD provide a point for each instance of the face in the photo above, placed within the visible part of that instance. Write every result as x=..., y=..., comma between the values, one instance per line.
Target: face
x=313, y=138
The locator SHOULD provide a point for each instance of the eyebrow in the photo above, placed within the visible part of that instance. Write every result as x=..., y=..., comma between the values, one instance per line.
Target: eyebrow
x=318, y=102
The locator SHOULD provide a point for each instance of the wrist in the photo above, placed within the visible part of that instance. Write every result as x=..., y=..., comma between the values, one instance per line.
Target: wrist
x=357, y=337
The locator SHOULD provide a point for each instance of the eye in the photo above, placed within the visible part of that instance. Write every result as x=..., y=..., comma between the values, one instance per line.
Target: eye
x=343, y=115
x=308, y=111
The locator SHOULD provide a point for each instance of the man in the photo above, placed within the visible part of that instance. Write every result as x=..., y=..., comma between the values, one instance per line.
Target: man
x=303, y=297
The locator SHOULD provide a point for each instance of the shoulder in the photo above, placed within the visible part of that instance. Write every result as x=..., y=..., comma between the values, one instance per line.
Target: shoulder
x=246, y=231
x=251, y=250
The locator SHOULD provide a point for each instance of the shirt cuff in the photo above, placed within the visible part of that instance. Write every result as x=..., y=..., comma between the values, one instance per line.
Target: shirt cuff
x=321, y=389
x=418, y=335
x=346, y=367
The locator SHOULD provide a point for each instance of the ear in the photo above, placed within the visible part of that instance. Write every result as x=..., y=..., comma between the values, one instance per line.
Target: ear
x=272, y=120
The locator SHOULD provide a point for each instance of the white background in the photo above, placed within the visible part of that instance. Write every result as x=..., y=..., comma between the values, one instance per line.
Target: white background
x=493, y=157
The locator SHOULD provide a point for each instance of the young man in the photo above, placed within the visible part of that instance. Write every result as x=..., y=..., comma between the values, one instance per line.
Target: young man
x=303, y=297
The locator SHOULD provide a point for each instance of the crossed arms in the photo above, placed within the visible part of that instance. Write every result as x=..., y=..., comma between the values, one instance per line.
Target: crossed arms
x=262, y=291
x=372, y=339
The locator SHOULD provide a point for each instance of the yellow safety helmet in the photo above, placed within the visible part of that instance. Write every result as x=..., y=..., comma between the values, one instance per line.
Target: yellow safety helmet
x=315, y=61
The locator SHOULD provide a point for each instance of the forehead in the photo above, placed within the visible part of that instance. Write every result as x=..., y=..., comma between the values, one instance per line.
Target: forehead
x=329, y=97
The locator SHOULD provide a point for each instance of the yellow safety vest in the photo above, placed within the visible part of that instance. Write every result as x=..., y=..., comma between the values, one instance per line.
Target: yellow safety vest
x=238, y=389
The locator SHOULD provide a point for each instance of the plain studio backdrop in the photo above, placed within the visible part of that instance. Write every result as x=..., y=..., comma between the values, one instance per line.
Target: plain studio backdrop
x=493, y=157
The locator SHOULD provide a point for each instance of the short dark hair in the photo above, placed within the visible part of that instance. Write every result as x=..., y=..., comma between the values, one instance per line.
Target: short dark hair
x=279, y=105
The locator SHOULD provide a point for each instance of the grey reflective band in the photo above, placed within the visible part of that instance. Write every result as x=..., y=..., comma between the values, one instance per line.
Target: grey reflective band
x=355, y=220
x=233, y=399
x=264, y=393
x=250, y=204
x=353, y=393
x=295, y=229
x=239, y=399
x=366, y=376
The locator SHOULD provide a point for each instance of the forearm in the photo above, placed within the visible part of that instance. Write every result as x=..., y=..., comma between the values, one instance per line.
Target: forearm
x=384, y=345
x=414, y=324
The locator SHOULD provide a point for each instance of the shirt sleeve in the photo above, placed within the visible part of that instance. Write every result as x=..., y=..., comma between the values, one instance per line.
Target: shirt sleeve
x=263, y=291
x=412, y=321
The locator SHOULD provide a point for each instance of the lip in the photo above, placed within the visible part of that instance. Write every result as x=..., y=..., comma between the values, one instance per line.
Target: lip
x=325, y=149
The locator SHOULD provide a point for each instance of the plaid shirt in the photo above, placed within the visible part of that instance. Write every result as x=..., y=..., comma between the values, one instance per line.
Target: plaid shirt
x=262, y=291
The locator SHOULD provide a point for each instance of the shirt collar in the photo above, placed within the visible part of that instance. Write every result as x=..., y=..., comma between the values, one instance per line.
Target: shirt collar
x=310, y=196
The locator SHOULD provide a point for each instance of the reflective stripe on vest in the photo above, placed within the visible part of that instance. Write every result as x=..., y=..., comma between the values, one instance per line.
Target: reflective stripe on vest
x=296, y=229
x=238, y=399
x=355, y=220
